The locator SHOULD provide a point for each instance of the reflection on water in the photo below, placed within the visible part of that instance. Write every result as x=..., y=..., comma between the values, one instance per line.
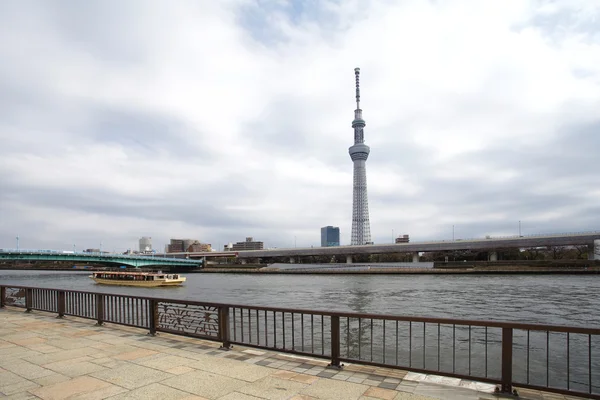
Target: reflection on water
x=551, y=299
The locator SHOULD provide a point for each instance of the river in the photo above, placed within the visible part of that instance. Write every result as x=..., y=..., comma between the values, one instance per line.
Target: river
x=549, y=299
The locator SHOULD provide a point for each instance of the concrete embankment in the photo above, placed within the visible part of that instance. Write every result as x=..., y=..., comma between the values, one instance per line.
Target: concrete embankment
x=437, y=270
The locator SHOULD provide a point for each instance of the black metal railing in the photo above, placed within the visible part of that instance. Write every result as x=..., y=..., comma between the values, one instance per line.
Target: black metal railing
x=553, y=358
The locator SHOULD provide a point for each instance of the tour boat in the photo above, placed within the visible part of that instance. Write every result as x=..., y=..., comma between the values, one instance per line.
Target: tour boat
x=141, y=279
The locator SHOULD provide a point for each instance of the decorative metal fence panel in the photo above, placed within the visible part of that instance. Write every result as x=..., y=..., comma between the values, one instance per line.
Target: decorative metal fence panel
x=188, y=319
x=15, y=297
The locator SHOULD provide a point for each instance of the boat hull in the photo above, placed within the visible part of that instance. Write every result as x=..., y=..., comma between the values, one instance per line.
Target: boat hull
x=116, y=282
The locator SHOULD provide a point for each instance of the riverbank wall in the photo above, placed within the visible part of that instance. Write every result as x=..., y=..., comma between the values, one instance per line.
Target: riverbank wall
x=440, y=271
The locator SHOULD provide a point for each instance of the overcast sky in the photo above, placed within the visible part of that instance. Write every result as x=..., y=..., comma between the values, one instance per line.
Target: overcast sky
x=217, y=120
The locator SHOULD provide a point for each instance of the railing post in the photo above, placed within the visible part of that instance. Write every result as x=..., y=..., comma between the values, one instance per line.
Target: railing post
x=153, y=315
x=507, y=348
x=335, y=342
x=28, y=300
x=99, y=309
x=224, y=328
x=2, y=296
x=62, y=304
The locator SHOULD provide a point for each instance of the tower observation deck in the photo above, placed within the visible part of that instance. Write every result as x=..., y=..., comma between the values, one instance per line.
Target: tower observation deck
x=359, y=152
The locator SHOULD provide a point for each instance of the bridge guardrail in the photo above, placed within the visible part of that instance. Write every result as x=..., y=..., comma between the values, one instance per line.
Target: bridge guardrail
x=87, y=254
x=532, y=236
x=546, y=357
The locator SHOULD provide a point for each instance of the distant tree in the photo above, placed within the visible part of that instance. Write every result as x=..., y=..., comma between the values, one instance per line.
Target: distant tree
x=582, y=251
x=360, y=258
x=559, y=252
x=533, y=253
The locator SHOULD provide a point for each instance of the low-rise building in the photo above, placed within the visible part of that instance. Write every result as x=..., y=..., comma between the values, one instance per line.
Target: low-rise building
x=402, y=239
x=197, y=247
x=249, y=244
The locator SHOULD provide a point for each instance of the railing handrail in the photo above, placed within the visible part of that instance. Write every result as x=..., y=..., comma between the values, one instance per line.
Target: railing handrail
x=345, y=314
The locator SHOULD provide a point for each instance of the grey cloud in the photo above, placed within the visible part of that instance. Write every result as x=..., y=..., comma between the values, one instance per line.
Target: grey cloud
x=281, y=125
x=191, y=207
x=146, y=132
x=288, y=127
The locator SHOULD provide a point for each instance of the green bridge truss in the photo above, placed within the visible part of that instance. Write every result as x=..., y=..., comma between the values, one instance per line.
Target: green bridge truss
x=115, y=259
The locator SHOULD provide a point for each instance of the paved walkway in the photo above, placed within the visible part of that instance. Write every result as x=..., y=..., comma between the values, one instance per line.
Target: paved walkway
x=49, y=358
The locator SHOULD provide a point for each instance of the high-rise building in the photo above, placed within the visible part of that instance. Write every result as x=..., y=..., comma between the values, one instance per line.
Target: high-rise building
x=180, y=245
x=330, y=236
x=145, y=244
x=249, y=244
x=359, y=152
x=175, y=246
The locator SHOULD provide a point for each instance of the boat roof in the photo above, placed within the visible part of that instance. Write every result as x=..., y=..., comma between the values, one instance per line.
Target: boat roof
x=132, y=273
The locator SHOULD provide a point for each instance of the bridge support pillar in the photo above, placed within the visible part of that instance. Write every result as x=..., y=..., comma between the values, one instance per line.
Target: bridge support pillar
x=348, y=259
x=594, y=250
x=415, y=256
x=493, y=256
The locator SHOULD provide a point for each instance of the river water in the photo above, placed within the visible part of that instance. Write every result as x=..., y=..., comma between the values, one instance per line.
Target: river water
x=550, y=299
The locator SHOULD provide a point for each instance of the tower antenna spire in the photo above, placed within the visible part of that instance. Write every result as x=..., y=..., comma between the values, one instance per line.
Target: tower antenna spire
x=357, y=75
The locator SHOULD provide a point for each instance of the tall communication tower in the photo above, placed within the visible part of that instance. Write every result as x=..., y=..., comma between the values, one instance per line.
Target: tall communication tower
x=359, y=152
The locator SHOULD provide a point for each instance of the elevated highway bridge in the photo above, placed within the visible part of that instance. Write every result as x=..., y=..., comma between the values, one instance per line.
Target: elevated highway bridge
x=490, y=244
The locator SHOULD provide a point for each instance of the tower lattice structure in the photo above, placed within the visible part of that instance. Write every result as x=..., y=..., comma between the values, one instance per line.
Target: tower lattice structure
x=359, y=152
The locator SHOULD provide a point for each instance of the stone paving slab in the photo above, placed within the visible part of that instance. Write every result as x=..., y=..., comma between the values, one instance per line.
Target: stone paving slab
x=76, y=386
x=273, y=388
x=205, y=384
x=42, y=357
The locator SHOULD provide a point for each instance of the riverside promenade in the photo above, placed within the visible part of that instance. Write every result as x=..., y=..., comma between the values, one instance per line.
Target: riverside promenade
x=45, y=357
